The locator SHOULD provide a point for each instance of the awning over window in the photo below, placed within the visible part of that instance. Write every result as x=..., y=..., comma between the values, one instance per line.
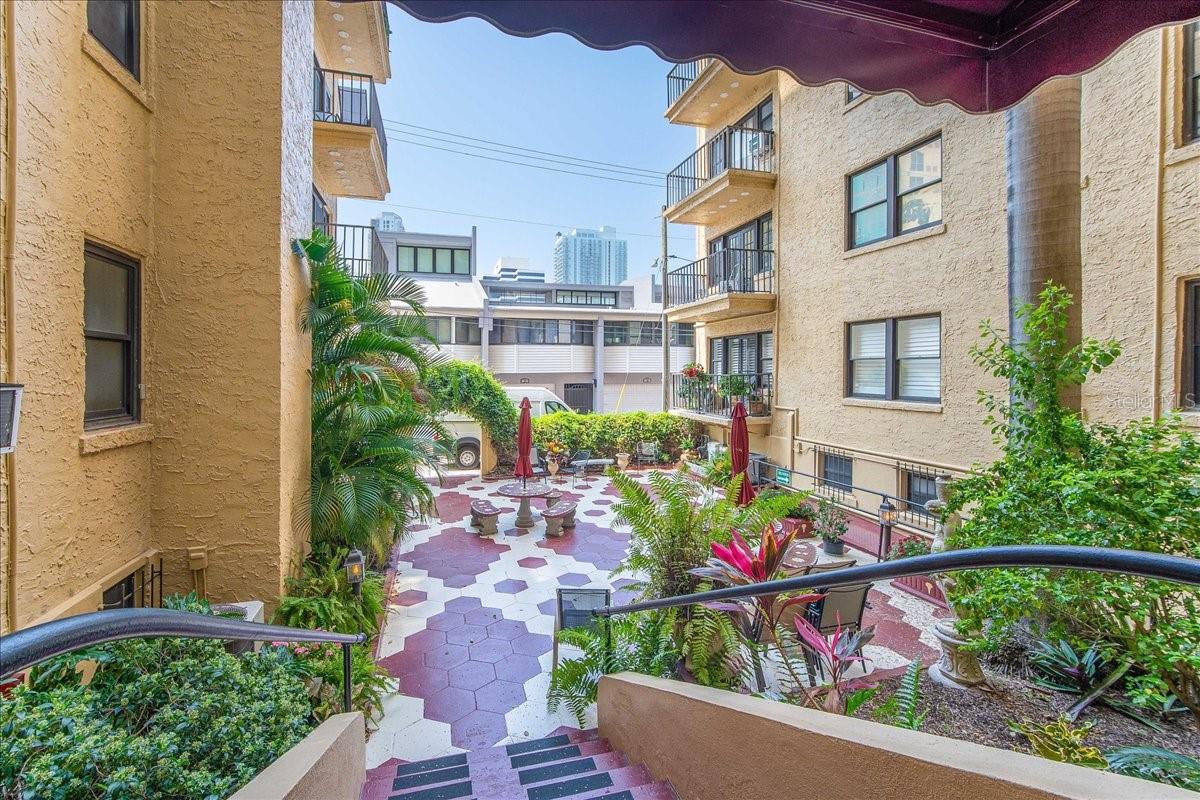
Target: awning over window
x=981, y=55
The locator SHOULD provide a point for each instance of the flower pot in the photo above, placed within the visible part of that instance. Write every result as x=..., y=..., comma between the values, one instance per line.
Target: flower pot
x=804, y=527
x=834, y=548
x=622, y=460
x=552, y=467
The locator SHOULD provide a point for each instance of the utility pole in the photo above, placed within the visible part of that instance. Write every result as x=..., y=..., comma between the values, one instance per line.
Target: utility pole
x=666, y=328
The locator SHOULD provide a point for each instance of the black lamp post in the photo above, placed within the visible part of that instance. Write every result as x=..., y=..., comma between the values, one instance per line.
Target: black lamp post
x=887, y=518
x=356, y=570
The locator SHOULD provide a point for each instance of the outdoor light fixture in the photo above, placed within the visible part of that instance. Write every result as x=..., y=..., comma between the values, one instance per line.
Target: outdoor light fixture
x=887, y=518
x=10, y=415
x=355, y=570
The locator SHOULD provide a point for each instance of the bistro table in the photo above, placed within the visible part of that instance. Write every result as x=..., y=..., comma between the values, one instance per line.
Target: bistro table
x=524, y=492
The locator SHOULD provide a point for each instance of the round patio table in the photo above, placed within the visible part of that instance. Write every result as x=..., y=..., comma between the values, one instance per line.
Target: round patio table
x=524, y=493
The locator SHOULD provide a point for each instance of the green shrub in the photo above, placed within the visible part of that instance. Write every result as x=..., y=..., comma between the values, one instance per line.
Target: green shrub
x=605, y=435
x=323, y=599
x=161, y=718
x=321, y=666
x=465, y=388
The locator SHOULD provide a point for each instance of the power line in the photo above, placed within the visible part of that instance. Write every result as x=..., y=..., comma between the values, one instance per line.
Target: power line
x=651, y=172
x=520, y=221
x=523, y=164
x=519, y=155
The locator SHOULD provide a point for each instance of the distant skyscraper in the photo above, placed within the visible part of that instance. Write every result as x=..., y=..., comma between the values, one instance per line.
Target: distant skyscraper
x=514, y=268
x=591, y=256
x=389, y=223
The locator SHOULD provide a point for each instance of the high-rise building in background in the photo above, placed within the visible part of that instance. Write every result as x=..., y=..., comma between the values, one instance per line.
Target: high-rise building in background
x=586, y=255
x=389, y=222
x=516, y=268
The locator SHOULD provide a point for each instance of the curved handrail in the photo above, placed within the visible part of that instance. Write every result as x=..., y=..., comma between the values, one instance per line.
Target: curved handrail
x=28, y=647
x=1093, y=559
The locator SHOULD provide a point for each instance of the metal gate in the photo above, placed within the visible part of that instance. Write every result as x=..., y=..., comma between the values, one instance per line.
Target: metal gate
x=579, y=396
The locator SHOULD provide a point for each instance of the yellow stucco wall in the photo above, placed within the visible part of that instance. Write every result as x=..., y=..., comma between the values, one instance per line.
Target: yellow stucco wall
x=196, y=172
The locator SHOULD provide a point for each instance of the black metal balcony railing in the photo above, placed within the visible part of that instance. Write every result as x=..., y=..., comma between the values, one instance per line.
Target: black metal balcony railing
x=716, y=395
x=682, y=76
x=731, y=148
x=360, y=246
x=347, y=98
x=723, y=272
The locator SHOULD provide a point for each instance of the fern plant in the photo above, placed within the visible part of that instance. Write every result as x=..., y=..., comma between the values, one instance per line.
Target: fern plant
x=1156, y=764
x=900, y=709
x=642, y=643
x=323, y=599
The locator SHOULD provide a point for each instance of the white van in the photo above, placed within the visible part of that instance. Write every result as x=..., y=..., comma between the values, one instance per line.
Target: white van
x=466, y=432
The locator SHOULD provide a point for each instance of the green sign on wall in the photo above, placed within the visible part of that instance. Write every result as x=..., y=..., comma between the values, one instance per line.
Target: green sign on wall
x=783, y=477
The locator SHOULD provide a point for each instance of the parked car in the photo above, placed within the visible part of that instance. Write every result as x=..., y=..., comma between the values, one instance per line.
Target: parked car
x=466, y=431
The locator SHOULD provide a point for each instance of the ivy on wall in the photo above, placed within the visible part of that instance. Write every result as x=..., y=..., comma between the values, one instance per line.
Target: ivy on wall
x=466, y=388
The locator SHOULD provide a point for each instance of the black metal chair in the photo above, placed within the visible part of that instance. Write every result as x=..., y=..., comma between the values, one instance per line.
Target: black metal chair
x=842, y=606
x=573, y=609
x=538, y=463
x=646, y=453
x=577, y=465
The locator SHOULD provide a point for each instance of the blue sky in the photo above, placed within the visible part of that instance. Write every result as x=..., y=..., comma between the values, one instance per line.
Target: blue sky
x=549, y=93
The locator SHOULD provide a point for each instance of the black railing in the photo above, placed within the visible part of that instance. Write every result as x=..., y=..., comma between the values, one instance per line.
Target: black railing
x=347, y=98
x=360, y=246
x=731, y=148
x=716, y=395
x=31, y=646
x=723, y=272
x=682, y=76
x=1092, y=559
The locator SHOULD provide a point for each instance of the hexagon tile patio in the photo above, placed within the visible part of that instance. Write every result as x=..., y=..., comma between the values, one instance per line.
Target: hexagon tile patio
x=469, y=624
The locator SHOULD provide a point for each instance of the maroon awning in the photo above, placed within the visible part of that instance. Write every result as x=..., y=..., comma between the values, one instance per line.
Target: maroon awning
x=981, y=55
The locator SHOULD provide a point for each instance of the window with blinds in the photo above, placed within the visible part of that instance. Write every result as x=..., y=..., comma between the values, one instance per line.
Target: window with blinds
x=750, y=354
x=895, y=359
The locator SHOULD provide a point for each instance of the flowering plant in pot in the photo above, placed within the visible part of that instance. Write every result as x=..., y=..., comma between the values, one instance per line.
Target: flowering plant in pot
x=831, y=524
x=693, y=371
x=556, y=455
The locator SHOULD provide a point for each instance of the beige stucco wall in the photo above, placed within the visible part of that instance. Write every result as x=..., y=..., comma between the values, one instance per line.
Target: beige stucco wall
x=197, y=173
x=329, y=764
x=720, y=744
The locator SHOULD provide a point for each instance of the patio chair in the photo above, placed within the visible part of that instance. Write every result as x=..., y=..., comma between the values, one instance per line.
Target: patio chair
x=575, y=464
x=538, y=463
x=646, y=453
x=831, y=565
x=842, y=606
x=573, y=609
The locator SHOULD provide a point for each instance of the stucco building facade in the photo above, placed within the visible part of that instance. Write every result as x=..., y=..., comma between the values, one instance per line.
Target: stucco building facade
x=166, y=154
x=849, y=246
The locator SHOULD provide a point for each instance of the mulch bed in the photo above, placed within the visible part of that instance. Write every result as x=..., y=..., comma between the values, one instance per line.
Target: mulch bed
x=983, y=716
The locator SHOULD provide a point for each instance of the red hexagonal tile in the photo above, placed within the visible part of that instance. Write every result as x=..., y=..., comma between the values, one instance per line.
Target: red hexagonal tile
x=483, y=616
x=467, y=634
x=510, y=586
x=517, y=668
x=471, y=675
x=532, y=644
x=402, y=662
x=423, y=683
x=499, y=696
x=409, y=597
x=446, y=656
x=425, y=640
x=444, y=621
x=449, y=704
x=506, y=629
x=478, y=730
x=490, y=650
x=462, y=605
x=531, y=562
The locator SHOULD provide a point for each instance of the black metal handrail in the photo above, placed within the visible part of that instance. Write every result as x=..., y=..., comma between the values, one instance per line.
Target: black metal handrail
x=730, y=148
x=360, y=247
x=29, y=647
x=682, y=76
x=1176, y=569
x=716, y=395
x=347, y=98
x=729, y=271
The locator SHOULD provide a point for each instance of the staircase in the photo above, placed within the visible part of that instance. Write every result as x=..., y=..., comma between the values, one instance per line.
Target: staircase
x=577, y=765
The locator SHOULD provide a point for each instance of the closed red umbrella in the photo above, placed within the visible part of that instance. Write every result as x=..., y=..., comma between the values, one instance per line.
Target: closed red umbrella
x=739, y=453
x=524, y=469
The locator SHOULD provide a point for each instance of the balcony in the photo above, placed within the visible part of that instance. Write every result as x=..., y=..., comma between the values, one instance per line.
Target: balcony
x=349, y=144
x=706, y=92
x=362, y=251
x=711, y=398
x=356, y=33
x=722, y=285
x=737, y=165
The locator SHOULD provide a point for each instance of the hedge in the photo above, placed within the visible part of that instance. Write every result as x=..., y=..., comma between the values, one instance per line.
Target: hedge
x=605, y=435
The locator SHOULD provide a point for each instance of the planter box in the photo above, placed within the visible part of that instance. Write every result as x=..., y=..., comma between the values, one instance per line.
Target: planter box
x=923, y=587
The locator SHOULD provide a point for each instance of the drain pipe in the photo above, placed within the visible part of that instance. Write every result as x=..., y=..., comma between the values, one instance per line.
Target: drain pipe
x=10, y=191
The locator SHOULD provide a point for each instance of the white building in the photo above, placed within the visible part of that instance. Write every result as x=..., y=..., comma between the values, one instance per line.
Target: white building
x=591, y=256
x=514, y=268
x=389, y=222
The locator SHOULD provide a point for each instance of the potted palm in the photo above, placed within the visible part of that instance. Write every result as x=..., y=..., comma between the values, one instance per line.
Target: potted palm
x=831, y=525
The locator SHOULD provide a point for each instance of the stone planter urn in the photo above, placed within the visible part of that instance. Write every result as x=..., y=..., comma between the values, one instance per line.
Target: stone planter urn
x=552, y=467
x=622, y=460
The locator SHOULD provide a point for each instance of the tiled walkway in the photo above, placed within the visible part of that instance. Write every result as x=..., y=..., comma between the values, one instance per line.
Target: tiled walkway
x=468, y=632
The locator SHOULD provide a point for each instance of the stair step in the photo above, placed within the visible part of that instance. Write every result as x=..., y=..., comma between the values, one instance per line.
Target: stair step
x=564, y=753
x=571, y=787
x=650, y=791
x=447, y=775
x=559, y=770
x=449, y=791
x=428, y=764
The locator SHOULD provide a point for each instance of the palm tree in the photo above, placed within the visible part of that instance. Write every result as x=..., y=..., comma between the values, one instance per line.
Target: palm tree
x=372, y=434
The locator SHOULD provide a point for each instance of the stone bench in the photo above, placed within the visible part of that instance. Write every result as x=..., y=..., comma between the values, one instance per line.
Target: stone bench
x=559, y=516
x=483, y=517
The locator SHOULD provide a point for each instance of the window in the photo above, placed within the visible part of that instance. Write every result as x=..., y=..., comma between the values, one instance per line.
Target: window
x=466, y=330
x=836, y=470
x=918, y=486
x=1189, y=368
x=895, y=359
x=320, y=210
x=111, y=333
x=751, y=354
x=1191, y=85
x=683, y=334
x=852, y=94
x=439, y=327
x=760, y=118
x=553, y=407
x=542, y=331
x=902, y=193
x=433, y=260
x=582, y=332
x=122, y=594
x=573, y=297
x=116, y=24
x=523, y=296
x=744, y=250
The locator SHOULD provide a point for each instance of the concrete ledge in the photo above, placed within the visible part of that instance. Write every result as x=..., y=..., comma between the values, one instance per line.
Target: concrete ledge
x=330, y=764
x=714, y=745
